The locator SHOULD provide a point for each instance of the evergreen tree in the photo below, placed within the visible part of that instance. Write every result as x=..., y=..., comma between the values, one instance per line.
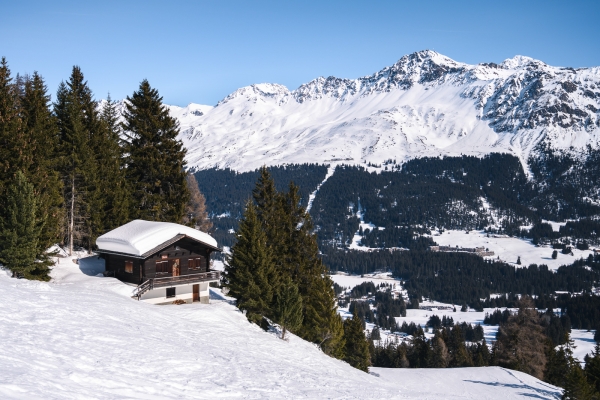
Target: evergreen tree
x=114, y=190
x=195, y=213
x=288, y=307
x=77, y=119
x=357, y=346
x=576, y=385
x=250, y=269
x=12, y=138
x=20, y=230
x=592, y=368
x=155, y=158
x=41, y=166
x=289, y=232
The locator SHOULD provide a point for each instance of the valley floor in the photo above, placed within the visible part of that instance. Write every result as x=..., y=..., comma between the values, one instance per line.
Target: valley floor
x=82, y=336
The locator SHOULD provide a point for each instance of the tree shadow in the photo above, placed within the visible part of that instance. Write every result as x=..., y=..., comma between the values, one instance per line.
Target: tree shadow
x=92, y=265
x=538, y=393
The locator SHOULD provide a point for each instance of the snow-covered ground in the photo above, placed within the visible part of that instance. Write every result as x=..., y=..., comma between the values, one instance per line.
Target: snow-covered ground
x=82, y=336
x=509, y=249
x=466, y=383
x=583, y=340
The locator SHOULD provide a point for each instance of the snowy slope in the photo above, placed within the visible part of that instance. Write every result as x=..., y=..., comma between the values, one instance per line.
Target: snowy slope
x=81, y=336
x=425, y=104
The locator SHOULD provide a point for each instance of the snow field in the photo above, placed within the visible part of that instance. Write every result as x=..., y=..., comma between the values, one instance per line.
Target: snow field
x=82, y=336
x=509, y=249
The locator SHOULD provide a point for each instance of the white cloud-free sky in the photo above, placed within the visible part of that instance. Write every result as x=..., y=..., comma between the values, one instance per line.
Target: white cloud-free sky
x=200, y=51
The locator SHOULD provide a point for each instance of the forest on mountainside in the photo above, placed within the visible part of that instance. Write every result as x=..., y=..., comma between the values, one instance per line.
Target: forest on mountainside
x=227, y=191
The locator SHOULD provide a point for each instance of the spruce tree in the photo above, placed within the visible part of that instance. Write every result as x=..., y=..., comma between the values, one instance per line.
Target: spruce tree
x=12, y=138
x=78, y=122
x=19, y=231
x=592, y=368
x=41, y=168
x=155, y=158
x=288, y=307
x=357, y=346
x=250, y=269
x=289, y=230
x=114, y=189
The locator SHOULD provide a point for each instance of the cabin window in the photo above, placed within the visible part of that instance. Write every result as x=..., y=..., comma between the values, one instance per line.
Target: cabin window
x=196, y=263
x=170, y=292
x=162, y=267
x=129, y=267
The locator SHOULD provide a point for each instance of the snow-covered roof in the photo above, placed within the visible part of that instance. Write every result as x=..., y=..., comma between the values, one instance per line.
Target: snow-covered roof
x=138, y=237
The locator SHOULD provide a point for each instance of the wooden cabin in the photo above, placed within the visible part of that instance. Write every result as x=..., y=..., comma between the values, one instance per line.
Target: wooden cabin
x=167, y=262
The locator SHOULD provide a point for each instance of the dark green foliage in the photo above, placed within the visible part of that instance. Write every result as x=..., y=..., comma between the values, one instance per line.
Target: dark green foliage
x=462, y=277
x=40, y=166
x=554, y=255
x=20, y=230
x=155, y=158
x=250, y=271
x=288, y=307
x=226, y=191
x=114, y=189
x=78, y=123
x=592, y=368
x=287, y=234
x=357, y=347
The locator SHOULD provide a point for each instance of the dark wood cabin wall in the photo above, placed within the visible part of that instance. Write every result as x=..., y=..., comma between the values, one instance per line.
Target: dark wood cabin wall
x=117, y=264
x=187, y=250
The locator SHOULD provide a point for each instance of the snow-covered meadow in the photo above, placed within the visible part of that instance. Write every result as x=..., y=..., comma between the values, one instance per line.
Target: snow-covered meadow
x=509, y=249
x=82, y=336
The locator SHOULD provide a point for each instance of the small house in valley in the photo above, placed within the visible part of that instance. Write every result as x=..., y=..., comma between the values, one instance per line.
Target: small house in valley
x=168, y=262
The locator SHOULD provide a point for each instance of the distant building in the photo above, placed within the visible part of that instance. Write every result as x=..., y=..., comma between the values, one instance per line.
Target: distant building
x=169, y=262
x=480, y=251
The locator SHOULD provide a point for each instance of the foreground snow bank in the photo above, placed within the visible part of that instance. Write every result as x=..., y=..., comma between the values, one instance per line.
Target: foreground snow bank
x=81, y=336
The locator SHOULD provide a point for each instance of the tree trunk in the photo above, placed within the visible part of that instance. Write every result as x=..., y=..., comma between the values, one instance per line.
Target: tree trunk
x=71, y=221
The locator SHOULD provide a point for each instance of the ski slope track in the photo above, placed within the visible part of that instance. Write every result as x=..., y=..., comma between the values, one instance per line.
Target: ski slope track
x=424, y=105
x=82, y=336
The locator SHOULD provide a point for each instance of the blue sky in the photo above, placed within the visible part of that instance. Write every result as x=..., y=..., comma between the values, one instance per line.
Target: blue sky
x=198, y=51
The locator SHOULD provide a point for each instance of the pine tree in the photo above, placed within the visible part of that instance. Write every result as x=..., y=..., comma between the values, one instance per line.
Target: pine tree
x=19, y=231
x=78, y=121
x=12, y=138
x=288, y=307
x=289, y=232
x=195, y=213
x=592, y=368
x=576, y=385
x=357, y=347
x=250, y=269
x=114, y=190
x=41, y=167
x=155, y=160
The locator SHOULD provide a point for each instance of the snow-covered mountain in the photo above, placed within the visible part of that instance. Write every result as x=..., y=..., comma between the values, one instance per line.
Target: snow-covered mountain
x=426, y=104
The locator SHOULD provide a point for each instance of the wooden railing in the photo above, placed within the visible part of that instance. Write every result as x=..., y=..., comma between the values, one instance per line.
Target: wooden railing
x=191, y=278
x=175, y=280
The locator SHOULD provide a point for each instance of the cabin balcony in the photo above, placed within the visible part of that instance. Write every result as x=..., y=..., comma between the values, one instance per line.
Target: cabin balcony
x=185, y=279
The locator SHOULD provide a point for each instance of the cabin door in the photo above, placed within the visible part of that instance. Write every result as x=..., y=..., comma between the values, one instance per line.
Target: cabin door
x=196, y=291
x=175, y=267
